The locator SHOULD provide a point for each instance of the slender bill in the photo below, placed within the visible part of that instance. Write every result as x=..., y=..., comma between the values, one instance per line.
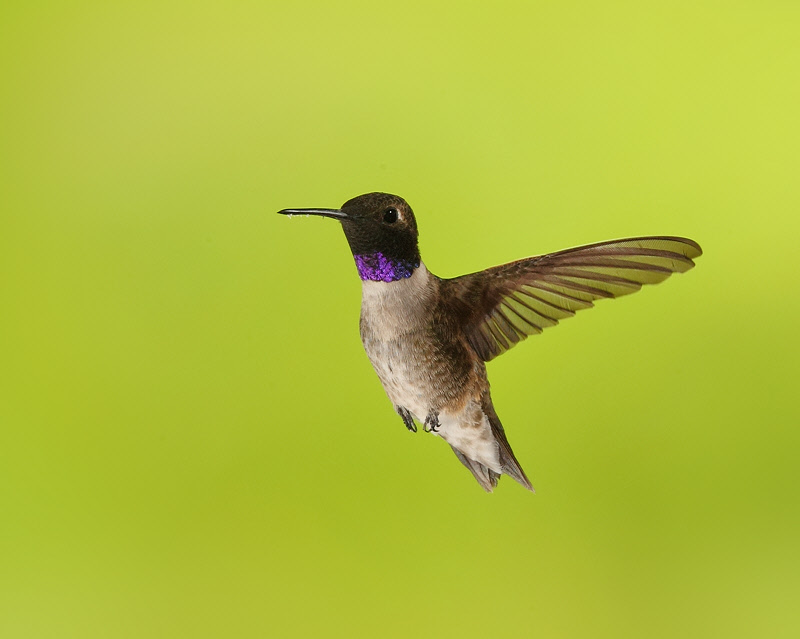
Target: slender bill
x=334, y=213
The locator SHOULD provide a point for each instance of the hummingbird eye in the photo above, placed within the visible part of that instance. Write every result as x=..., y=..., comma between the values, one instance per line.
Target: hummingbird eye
x=390, y=216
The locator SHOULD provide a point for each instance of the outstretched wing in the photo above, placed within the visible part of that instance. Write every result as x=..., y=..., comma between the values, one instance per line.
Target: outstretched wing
x=505, y=304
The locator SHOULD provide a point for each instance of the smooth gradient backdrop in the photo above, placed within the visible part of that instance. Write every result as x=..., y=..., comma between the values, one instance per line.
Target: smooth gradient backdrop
x=192, y=441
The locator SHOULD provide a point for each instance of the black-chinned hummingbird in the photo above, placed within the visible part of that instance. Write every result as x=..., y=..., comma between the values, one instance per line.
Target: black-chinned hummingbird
x=429, y=338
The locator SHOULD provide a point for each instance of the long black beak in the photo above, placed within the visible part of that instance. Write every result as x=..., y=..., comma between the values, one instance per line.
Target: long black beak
x=334, y=213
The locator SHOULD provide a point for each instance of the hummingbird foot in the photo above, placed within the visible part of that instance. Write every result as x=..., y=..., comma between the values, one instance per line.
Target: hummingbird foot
x=432, y=422
x=408, y=420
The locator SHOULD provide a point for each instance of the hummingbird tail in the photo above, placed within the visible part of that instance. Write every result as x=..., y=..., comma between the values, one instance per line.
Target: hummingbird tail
x=508, y=462
x=509, y=465
x=486, y=476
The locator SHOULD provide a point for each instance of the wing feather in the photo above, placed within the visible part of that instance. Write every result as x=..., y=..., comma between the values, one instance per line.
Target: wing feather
x=505, y=304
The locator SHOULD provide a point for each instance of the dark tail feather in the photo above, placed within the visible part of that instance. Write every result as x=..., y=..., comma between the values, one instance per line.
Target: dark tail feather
x=486, y=476
x=508, y=462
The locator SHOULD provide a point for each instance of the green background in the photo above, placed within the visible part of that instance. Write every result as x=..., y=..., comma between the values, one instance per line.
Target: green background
x=192, y=441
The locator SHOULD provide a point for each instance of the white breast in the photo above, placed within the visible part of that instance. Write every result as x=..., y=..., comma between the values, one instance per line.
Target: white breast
x=390, y=309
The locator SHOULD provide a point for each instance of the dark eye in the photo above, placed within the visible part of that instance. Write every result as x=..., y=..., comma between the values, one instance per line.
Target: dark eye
x=390, y=216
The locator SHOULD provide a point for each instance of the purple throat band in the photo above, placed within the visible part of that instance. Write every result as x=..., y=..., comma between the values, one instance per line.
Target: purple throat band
x=376, y=267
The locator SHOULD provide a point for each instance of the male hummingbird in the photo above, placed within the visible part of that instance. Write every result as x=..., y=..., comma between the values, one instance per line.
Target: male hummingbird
x=429, y=338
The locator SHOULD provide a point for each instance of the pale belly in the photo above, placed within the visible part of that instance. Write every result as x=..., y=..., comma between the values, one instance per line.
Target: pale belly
x=404, y=373
x=423, y=384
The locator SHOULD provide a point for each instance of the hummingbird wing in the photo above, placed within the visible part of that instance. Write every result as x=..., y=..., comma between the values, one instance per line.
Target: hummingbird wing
x=503, y=305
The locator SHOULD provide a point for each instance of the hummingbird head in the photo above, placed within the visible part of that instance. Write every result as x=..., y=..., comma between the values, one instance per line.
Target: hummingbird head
x=381, y=231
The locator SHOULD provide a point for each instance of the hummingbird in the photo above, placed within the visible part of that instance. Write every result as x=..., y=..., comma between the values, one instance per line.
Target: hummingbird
x=429, y=338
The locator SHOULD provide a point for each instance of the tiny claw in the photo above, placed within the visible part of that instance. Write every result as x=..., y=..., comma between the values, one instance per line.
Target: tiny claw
x=408, y=420
x=432, y=424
